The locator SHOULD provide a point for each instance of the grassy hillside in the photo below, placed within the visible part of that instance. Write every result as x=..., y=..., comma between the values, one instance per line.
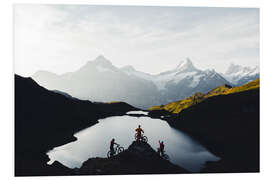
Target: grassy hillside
x=177, y=106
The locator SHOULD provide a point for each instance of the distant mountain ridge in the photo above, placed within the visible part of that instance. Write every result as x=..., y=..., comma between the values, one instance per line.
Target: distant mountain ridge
x=178, y=106
x=100, y=80
x=239, y=75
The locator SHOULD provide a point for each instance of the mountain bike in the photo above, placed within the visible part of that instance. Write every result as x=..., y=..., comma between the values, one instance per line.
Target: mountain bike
x=142, y=138
x=118, y=149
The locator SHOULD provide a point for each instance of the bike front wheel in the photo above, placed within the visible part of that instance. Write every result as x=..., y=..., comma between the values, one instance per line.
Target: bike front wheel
x=144, y=139
x=120, y=149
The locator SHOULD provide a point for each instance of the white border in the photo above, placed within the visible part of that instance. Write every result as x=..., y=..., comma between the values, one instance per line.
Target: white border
x=7, y=79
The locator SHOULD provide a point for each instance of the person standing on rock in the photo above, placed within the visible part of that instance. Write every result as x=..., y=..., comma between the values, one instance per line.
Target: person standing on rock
x=139, y=131
x=161, y=148
x=112, y=146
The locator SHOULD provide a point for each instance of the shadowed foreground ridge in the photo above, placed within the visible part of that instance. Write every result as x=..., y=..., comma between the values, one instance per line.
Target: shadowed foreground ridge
x=45, y=119
x=227, y=123
x=139, y=158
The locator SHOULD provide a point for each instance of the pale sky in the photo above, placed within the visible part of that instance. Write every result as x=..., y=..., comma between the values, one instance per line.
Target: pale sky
x=62, y=38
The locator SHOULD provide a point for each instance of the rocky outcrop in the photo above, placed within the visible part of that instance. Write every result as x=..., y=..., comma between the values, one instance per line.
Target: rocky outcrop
x=139, y=158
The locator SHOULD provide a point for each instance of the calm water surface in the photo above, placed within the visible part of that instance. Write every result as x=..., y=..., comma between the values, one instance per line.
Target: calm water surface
x=95, y=140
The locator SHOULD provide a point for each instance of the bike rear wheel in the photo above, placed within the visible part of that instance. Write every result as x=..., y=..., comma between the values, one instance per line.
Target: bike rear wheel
x=109, y=154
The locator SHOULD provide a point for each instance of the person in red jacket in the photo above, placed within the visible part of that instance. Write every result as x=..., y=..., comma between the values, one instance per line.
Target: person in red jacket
x=161, y=148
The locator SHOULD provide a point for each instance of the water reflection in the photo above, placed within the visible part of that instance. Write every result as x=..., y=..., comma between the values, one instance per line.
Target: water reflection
x=94, y=142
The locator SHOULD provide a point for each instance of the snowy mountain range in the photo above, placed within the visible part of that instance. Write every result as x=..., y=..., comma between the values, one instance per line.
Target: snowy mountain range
x=239, y=75
x=100, y=80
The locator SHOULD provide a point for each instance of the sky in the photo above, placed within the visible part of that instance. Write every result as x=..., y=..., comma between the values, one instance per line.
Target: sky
x=62, y=38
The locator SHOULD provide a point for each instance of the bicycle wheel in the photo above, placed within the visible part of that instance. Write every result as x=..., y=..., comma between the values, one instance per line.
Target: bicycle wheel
x=109, y=154
x=144, y=139
x=120, y=149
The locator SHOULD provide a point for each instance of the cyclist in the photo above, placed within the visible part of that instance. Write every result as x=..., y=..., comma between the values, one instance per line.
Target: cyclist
x=161, y=148
x=139, y=132
x=112, y=146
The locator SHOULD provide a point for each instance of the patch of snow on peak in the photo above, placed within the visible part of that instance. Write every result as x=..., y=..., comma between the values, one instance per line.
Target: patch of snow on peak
x=180, y=77
x=185, y=65
x=103, y=69
x=236, y=73
x=101, y=60
x=196, y=80
x=233, y=69
x=129, y=70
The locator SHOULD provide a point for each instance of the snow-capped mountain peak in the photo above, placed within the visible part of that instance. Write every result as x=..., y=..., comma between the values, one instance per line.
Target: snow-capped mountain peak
x=233, y=68
x=100, y=63
x=101, y=60
x=185, y=66
x=240, y=75
x=210, y=71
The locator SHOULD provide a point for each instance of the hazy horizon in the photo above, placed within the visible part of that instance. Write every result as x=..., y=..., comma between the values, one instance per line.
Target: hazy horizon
x=152, y=39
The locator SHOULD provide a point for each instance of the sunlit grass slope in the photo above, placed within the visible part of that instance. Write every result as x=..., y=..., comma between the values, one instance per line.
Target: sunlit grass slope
x=178, y=106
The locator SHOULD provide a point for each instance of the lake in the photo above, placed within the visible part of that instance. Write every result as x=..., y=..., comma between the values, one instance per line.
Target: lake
x=95, y=141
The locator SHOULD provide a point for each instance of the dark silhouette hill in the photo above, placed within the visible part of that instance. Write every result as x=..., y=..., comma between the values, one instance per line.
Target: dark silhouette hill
x=227, y=124
x=45, y=119
x=139, y=158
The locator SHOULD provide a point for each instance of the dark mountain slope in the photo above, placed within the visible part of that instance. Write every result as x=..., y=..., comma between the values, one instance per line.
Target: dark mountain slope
x=228, y=125
x=45, y=119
